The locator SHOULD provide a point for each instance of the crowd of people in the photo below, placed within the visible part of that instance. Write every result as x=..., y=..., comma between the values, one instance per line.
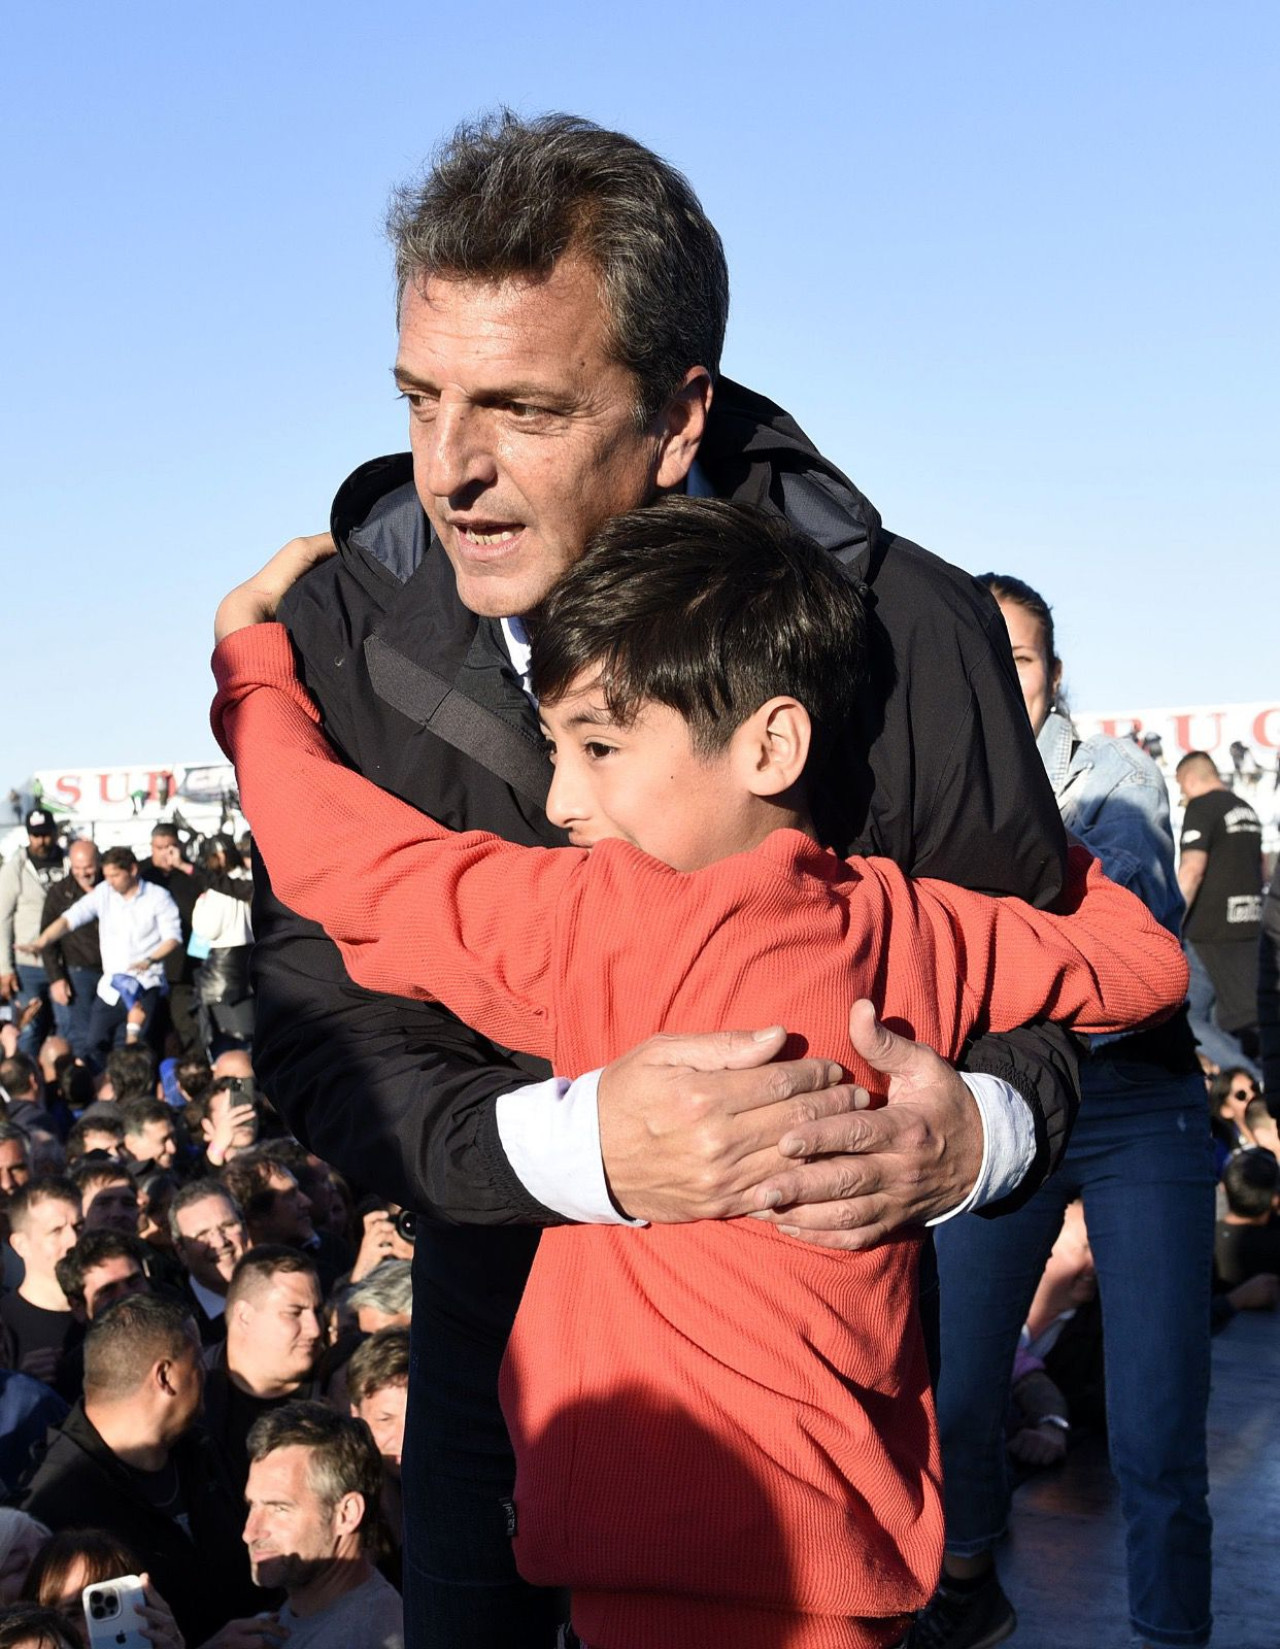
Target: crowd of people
x=199, y=1319
x=708, y=1429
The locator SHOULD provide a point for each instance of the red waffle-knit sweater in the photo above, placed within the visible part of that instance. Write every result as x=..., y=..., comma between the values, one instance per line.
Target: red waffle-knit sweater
x=723, y=1436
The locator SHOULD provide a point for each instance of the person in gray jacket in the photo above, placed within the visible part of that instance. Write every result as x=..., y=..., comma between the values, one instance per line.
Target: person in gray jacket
x=24, y=881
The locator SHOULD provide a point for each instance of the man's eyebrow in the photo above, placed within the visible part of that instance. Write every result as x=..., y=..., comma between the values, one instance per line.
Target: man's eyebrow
x=410, y=380
x=536, y=394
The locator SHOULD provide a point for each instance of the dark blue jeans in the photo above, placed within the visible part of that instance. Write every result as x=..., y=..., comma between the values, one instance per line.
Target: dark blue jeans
x=33, y=982
x=1141, y=1159
x=73, y=1020
x=108, y=1022
x=460, y=1580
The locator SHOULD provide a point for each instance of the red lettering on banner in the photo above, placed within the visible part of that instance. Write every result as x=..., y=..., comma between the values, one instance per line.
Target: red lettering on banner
x=1183, y=736
x=1268, y=739
x=104, y=787
x=67, y=786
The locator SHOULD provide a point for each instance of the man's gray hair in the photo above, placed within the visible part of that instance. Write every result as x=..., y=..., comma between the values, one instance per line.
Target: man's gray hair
x=197, y=1190
x=388, y=1288
x=510, y=197
x=342, y=1455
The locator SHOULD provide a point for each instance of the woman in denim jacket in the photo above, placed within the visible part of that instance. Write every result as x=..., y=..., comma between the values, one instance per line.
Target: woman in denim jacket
x=1140, y=1158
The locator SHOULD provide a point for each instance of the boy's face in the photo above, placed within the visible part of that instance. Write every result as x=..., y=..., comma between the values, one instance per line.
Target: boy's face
x=646, y=784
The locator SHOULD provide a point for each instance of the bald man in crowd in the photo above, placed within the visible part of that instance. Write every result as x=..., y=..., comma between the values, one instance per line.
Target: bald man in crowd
x=74, y=962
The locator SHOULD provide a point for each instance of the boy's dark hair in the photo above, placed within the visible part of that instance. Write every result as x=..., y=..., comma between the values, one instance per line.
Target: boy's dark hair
x=195, y=1077
x=75, y=1085
x=92, y=1249
x=1251, y=1179
x=123, y=858
x=94, y=1554
x=132, y=1072
x=710, y=608
x=248, y=1177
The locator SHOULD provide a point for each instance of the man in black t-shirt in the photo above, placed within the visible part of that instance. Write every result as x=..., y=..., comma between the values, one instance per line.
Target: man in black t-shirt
x=38, y=1323
x=1220, y=874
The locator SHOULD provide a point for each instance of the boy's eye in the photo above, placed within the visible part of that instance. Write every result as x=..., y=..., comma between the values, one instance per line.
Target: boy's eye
x=597, y=751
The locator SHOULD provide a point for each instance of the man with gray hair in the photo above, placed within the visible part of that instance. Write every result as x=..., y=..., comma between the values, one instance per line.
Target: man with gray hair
x=314, y=1517
x=562, y=306
x=384, y=1299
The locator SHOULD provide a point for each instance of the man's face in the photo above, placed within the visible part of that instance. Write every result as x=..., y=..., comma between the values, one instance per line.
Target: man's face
x=243, y=1134
x=110, y=1281
x=101, y=1140
x=290, y=1218
x=41, y=843
x=14, y=1168
x=86, y=866
x=121, y=878
x=155, y=1144
x=52, y=1230
x=282, y=1323
x=643, y=784
x=211, y=1242
x=112, y=1206
x=290, y=1532
x=165, y=852
x=523, y=429
x=383, y=1412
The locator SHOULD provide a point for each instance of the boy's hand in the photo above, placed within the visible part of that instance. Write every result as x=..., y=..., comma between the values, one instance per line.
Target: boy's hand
x=916, y=1157
x=256, y=600
x=689, y=1125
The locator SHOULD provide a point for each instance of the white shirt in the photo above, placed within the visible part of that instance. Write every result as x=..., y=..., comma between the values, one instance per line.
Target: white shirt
x=129, y=928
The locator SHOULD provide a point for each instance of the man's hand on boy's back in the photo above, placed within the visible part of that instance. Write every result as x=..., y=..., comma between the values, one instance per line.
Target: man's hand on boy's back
x=705, y=1127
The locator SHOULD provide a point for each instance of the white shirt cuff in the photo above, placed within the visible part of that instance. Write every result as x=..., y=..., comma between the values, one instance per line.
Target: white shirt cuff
x=551, y=1134
x=1008, y=1141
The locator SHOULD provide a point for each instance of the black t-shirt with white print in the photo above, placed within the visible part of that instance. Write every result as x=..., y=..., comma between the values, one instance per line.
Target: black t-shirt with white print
x=1228, y=905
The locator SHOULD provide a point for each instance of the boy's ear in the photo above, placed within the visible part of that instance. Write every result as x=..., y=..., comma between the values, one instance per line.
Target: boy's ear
x=772, y=747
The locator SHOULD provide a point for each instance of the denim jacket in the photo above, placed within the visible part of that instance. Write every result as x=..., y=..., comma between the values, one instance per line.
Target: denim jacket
x=1113, y=797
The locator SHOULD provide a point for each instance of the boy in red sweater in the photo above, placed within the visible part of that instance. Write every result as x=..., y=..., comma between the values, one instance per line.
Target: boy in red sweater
x=723, y=1436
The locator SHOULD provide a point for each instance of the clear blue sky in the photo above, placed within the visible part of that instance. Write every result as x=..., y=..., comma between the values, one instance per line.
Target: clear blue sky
x=1012, y=265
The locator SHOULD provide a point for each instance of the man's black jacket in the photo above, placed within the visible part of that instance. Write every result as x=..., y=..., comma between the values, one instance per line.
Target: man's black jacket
x=73, y=950
x=203, y=1576
x=944, y=778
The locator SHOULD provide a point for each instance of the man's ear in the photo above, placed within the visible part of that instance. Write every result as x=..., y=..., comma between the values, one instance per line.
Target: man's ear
x=348, y=1514
x=771, y=747
x=680, y=427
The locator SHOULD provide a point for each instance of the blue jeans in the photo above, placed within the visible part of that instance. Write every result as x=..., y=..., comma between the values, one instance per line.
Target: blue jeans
x=108, y=1022
x=33, y=981
x=1141, y=1159
x=1216, y=1044
x=73, y=1020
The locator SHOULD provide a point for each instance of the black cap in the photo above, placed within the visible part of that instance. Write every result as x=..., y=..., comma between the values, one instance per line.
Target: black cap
x=40, y=822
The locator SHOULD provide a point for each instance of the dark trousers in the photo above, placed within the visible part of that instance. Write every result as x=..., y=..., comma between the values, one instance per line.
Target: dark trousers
x=107, y=1025
x=33, y=985
x=73, y=1020
x=460, y=1580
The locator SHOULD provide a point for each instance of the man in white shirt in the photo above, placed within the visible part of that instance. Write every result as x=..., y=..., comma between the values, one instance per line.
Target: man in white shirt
x=313, y=1499
x=138, y=926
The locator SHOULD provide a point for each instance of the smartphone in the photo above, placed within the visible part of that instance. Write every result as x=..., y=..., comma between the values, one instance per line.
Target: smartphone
x=113, y=1612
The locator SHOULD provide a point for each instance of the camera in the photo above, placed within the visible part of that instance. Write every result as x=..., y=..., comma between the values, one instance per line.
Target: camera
x=406, y=1223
